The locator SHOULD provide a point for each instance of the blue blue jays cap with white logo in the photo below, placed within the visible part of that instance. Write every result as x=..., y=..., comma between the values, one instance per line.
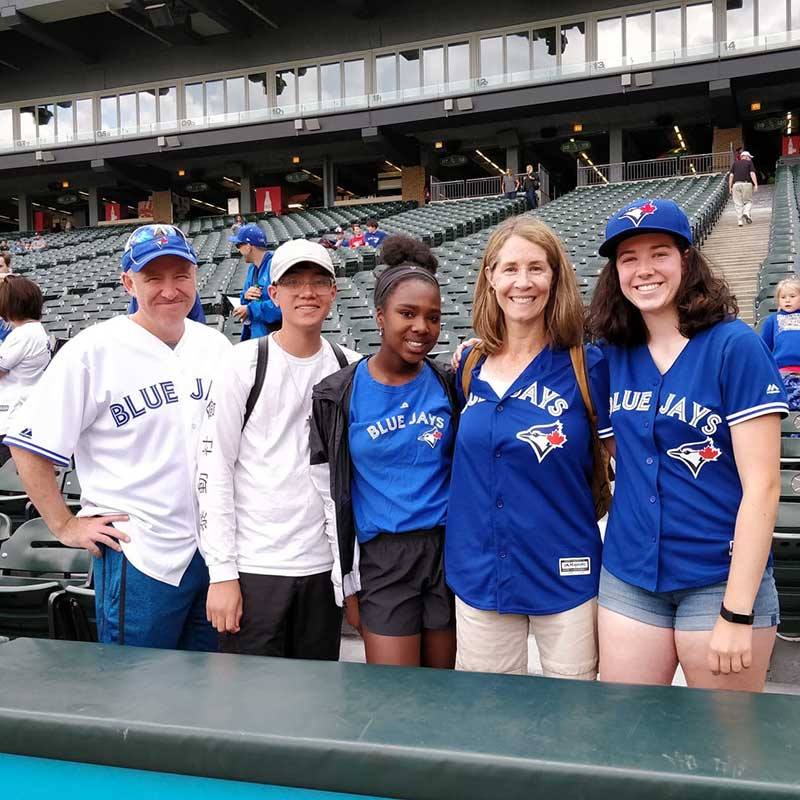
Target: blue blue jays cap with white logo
x=249, y=234
x=152, y=241
x=645, y=216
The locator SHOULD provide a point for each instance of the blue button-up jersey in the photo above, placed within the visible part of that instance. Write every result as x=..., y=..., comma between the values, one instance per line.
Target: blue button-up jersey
x=677, y=490
x=521, y=532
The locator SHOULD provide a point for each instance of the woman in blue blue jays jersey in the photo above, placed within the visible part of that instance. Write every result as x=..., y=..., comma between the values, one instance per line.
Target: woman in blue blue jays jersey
x=523, y=549
x=695, y=405
x=386, y=427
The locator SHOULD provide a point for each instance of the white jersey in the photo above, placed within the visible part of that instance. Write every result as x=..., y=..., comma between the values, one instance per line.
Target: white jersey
x=23, y=357
x=259, y=509
x=129, y=407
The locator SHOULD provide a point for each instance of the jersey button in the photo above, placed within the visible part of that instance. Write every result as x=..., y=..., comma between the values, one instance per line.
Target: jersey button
x=502, y=555
x=649, y=459
x=499, y=502
x=652, y=498
x=497, y=454
x=647, y=425
x=500, y=409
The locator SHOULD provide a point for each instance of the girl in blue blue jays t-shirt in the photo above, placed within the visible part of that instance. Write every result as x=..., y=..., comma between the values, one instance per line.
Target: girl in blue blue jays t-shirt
x=386, y=426
x=523, y=548
x=781, y=332
x=695, y=406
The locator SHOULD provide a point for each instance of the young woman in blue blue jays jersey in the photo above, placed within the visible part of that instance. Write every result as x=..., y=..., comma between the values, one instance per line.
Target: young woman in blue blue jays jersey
x=386, y=427
x=523, y=548
x=696, y=401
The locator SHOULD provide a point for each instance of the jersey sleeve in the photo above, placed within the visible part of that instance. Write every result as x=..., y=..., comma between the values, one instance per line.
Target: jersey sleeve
x=768, y=331
x=12, y=351
x=49, y=428
x=599, y=389
x=750, y=382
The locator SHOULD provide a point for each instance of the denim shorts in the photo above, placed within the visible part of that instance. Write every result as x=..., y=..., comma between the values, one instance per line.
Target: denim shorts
x=686, y=609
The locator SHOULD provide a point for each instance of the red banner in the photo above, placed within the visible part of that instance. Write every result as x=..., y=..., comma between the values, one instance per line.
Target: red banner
x=269, y=198
x=112, y=211
x=791, y=146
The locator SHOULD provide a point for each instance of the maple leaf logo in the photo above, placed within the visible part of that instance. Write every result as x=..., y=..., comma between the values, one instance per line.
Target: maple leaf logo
x=709, y=454
x=556, y=438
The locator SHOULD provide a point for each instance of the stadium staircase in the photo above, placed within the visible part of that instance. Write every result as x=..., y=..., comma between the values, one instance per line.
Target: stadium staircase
x=738, y=252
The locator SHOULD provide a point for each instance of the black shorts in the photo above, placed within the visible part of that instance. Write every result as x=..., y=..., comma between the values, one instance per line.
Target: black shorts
x=403, y=590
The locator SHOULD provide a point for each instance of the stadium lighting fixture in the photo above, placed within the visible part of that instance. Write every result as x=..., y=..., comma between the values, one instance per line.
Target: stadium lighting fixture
x=295, y=205
x=438, y=145
x=83, y=194
x=65, y=184
x=489, y=161
x=681, y=142
x=755, y=106
x=393, y=166
x=295, y=159
x=577, y=127
x=231, y=180
x=181, y=173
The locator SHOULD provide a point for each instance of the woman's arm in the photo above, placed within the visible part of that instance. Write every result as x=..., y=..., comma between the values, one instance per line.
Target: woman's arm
x=756, y=448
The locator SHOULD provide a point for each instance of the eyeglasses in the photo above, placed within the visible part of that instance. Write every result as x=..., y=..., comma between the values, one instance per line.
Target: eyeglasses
x=318, y=285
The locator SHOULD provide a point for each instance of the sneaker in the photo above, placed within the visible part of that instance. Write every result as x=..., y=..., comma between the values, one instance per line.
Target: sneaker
x=748, y=220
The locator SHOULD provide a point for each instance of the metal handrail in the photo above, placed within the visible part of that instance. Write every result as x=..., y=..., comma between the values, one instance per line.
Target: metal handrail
x=654, y=168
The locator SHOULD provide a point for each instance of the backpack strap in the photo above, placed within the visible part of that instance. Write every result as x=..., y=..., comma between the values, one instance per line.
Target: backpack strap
x=258, y=383
x=578, y=357
x=466, y=370
x=339, y=353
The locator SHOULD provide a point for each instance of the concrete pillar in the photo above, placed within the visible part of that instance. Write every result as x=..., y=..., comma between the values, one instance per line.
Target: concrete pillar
x=328, y=182
x=615, y=153
x=414, y=179
x=94, y=206
x=512, y=160
x=24, y=212
x=246, y=196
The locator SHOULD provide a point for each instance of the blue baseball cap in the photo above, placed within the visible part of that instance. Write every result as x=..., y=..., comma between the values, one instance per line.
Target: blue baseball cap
x=149, y=242
x=249, y=234
x=645, y=216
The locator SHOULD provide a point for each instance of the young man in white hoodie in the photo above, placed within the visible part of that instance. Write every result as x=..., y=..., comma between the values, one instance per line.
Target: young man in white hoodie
x=271, y=554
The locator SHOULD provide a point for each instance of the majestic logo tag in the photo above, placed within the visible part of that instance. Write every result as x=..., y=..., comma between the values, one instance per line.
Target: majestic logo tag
x=773, y=389
x=544, y=438
x=636, y=215
x=431, y=437
x=696, y=454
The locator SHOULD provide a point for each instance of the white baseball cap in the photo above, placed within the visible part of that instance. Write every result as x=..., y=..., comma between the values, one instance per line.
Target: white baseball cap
x=745, y=154
x=299, y=251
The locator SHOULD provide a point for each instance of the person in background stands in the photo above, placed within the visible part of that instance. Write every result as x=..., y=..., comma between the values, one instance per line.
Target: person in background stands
x=510, y=185
x=357, y=239
x=374, y=237
x=25, y=352
x=38, y=242
x=340, y=240
x=742, y=183
x=258, y=314
x=5, y=269
x=781, y=332
x=530, y=185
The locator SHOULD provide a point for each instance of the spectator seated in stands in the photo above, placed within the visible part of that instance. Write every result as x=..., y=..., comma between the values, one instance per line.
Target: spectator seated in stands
x=19, y=248
x=781, y=332
x=357, y=239
x=340, y=240
x=238, y=222
x=38, y=242
x=374, y=237
x=5, y=269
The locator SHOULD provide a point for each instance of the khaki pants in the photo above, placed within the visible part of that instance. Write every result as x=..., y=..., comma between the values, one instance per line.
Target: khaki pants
x=743, y=199
x=492, y=642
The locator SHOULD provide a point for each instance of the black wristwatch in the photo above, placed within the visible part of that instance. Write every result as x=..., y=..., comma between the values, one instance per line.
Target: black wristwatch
x=738, y=619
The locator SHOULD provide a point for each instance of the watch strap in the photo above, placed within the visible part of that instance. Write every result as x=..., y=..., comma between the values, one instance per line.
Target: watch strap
x=738, y=619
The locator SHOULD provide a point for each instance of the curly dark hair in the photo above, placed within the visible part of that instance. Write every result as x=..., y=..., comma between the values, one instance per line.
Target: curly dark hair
x=703, y=299
x=400, y=249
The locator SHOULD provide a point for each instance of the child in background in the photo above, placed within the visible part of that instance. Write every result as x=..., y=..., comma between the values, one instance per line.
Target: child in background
x=781, y=332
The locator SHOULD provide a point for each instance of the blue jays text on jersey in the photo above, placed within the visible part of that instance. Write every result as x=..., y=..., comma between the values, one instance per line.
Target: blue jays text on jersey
x=398, y=422
x=521, y=532
x=677, y=490
x=152, y=397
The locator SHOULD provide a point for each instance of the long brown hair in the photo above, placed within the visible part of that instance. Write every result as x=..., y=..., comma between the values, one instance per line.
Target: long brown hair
x=702, y=300
x=563, y=314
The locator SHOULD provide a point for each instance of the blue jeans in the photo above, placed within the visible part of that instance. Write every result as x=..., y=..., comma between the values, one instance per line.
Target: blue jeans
x=137, y=610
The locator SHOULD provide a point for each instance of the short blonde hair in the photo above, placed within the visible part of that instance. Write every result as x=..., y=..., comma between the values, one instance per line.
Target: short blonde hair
x=785, y=284
x=563, y=314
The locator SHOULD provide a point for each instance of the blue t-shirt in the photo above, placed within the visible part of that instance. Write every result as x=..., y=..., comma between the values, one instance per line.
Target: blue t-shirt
x=521, y=531
x=374, y=239
x=401, y=449
x=781, y=332
x=677, y=490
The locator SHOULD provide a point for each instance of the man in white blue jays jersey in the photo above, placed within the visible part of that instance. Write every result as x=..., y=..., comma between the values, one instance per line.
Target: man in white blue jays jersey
x=126, y=397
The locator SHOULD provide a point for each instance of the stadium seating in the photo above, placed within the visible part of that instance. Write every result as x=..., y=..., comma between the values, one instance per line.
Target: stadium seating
x=783, y=258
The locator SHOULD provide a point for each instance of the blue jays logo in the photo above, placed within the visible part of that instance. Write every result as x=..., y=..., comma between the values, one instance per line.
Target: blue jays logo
x=544, y=438
x=160, y=236
x=696, y=454
x=431, y=437
x=636, y=215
